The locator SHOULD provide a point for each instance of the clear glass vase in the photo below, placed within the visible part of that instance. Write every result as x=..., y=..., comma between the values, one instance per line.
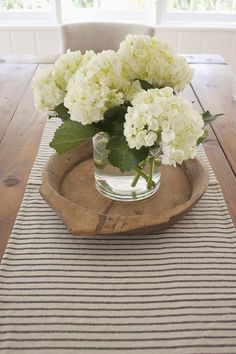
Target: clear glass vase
x=124, y=186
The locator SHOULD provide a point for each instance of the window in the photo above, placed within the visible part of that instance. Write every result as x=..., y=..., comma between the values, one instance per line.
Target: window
x=109, y=10
x=111, y=5
x=215, y=6
x=199, y=10
x=27, y=11
x=147, y=11
x=24, y=5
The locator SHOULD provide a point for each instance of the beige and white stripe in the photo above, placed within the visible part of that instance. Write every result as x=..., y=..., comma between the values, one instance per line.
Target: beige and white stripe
x=171, y=292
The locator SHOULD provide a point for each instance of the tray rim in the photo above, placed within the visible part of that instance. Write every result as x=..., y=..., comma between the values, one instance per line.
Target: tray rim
x=163, y=220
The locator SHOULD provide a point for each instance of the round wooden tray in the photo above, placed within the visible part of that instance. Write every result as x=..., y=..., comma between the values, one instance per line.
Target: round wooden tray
x=68, y=186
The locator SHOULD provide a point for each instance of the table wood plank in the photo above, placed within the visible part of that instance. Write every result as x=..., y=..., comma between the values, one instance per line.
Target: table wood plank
x=204, y=59
x=219, y=162
x=14, y=79
x=215, y=86
x=18, y=150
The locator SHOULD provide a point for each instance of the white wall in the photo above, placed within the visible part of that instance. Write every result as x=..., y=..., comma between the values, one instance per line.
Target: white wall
x=44, y=42
x=202, y=40
x=35, y=41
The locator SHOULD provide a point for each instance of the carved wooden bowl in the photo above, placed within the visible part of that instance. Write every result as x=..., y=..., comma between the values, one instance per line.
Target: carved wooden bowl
x=68, y=186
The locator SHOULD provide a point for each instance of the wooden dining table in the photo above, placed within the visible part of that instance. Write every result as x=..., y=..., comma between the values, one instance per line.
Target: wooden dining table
x=213, y=88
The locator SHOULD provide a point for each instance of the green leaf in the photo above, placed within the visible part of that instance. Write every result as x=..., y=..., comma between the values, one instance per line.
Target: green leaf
x=71, y=134
x=203, y=137
x=209, y=118
x=146, y=85
x=114, y=119
x=114, y=112
x=62, y=112
x=122, y=156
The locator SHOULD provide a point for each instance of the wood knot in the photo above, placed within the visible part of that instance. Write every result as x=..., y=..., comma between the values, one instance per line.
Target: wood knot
x=11, y=181
x=211, y=85
x=233, y=99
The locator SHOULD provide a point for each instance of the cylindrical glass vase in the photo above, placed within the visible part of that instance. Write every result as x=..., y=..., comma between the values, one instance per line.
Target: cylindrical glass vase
x=124, y=186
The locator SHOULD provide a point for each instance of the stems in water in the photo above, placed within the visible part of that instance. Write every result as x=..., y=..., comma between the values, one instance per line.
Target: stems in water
x=151, y=173
x=140, y=173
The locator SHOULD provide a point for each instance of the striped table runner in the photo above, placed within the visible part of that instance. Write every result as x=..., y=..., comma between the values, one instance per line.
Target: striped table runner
x=172, y=292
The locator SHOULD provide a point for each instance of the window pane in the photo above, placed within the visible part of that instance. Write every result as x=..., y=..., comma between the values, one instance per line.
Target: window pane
x=118, y=5
x=25, y=5
x=206, y=5
x=179, y=5
x=139, y=4
x=202, y=5
x=214, y=5
x=83, y=3
x=228, y=5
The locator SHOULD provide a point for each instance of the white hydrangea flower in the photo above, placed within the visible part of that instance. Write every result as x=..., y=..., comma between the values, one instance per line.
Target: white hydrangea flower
x=67, y=64
x=50, y=84
x=130, y=89
x=94, y=88
x=147, y=58
x=159, y=117
x=47, y=94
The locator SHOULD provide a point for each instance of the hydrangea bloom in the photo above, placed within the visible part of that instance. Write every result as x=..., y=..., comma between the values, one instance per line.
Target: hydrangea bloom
x=94, y=88
x=130, y=89
x=67, y=64
x=47, y=94
x=147, y=58
x=50, y=84
x=161, y=118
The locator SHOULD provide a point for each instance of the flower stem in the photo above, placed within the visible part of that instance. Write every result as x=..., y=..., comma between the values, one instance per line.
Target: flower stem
x=150, y=182
x=139, y=172
x=135, y=180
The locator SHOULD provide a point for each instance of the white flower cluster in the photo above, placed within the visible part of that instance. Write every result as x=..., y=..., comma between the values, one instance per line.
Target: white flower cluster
x=95, y=87
x=47, y=95
x=90, y=84
x=50, y=84
x=147, y=58
x=169, y=121
x=67, y=64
